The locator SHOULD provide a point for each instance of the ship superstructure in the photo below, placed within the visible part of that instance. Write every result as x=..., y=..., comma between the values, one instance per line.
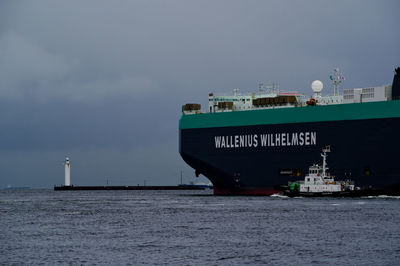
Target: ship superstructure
x=251, y=143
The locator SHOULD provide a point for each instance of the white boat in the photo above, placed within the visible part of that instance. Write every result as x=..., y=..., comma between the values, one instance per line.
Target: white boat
x=319, y=182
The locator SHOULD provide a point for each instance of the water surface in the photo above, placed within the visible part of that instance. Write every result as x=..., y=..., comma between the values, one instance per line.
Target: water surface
x=194, y=227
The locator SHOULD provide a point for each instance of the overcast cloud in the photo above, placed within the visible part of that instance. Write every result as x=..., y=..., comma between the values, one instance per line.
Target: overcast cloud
x=103, y=81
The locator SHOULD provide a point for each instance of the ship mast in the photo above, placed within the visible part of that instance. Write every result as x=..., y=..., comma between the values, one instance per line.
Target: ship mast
x=337, y=78
x=324, y=164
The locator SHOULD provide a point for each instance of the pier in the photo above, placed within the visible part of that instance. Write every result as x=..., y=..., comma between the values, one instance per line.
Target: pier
x=180, y=187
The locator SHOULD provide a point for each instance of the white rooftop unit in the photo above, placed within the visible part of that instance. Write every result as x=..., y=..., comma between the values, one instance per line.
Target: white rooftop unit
x=371, y=94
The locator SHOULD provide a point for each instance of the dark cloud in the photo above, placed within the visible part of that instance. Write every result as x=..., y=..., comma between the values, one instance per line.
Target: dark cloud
x=106, y=80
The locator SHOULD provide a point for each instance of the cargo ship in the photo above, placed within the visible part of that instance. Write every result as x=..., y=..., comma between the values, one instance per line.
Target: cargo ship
x=251, y=144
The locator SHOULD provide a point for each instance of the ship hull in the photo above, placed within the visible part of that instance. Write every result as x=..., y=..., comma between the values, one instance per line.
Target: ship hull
x=259, y=159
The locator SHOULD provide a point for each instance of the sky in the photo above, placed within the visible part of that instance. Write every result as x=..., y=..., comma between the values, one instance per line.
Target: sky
x=103, y=82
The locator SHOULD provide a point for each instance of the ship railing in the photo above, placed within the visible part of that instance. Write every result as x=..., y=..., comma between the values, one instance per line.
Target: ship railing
x=259, y=93
x=261, y=107
x=271, y=106
x=229, y=94
x=192, y=112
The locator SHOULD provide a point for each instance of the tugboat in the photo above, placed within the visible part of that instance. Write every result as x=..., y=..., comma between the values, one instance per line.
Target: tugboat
x=318, y=182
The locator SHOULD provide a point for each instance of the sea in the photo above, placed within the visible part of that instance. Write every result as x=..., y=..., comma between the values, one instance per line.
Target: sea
x=46, y=227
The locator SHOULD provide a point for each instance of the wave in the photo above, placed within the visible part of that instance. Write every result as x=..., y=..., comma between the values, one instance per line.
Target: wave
x=383, y=197
x=277, y=195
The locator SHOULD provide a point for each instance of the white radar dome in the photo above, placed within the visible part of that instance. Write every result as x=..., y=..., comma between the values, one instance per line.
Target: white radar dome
x=317, y=86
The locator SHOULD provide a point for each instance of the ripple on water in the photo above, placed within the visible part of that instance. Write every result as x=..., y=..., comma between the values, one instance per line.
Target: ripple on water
x=187, y=227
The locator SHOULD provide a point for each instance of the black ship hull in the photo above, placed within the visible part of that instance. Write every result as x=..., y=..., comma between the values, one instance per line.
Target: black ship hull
x=258, y=159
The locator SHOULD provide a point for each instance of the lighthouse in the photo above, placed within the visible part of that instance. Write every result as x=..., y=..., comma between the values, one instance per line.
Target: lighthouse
x=67, y=172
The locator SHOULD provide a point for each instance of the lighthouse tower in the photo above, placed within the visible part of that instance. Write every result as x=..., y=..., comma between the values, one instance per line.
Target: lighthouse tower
x=67, y=172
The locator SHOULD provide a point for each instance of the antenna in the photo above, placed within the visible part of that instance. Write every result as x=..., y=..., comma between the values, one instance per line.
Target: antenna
x=261, y=87
x=337, y=78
